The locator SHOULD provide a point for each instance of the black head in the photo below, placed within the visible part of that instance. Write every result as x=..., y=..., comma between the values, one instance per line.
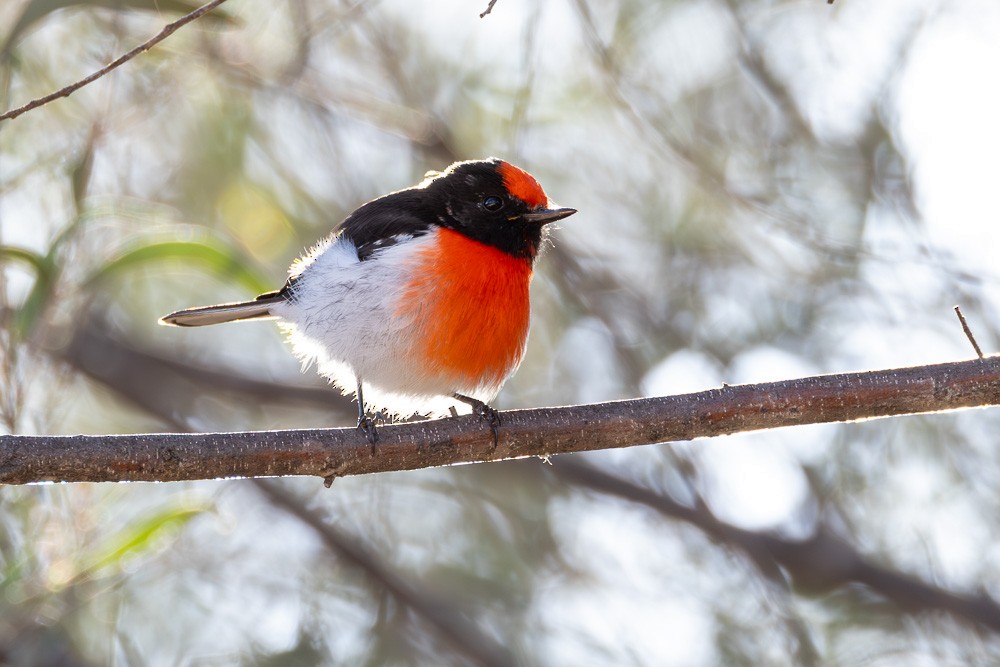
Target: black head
x=493, y=202
x=490, y=201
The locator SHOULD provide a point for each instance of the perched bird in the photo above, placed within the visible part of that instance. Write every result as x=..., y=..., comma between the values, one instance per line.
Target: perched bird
x=419, y=297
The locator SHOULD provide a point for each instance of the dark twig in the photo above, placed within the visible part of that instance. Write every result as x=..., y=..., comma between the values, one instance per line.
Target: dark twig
x=462, y=635
x=181, y=386
x=168, y=30
x=968, y=331
x=489, y=8
x=538, y=432
x=821, y=563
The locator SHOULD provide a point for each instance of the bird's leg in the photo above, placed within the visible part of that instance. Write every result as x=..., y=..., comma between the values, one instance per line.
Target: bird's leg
x=365, y=423
x=491, y=416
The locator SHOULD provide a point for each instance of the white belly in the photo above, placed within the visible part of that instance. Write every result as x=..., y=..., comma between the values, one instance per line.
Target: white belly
x=344, y=318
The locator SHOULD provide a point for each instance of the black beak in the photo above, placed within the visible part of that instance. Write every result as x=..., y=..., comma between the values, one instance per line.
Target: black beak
x=544, y=216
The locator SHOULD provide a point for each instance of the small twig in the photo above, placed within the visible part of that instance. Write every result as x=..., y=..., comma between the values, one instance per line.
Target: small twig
x=489, y=8
x=968, y=331
x=168, y=30
x=453, y=627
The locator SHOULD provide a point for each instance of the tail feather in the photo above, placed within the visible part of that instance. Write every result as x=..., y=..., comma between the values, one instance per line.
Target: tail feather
x=258, y=309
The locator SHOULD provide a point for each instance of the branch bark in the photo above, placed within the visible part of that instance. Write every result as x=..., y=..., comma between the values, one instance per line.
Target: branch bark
x=540, y=432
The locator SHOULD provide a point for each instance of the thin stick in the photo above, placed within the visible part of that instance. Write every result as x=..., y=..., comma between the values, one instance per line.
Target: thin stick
x=489, y=8
x=168, y=30
x=968, y=331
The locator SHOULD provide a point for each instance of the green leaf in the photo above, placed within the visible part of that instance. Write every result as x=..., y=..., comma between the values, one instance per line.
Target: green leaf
x=82, y=170
x=217, y=258
x=32, y=307
x=139, y=536
x=36, y=261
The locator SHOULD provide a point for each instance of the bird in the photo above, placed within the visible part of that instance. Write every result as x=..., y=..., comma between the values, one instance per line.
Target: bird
x=418, y=298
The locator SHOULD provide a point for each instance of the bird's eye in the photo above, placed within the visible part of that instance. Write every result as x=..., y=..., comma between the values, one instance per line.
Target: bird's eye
x=492, y=203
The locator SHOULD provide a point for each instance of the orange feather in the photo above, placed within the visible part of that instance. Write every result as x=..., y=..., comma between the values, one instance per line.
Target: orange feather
x=470, y=307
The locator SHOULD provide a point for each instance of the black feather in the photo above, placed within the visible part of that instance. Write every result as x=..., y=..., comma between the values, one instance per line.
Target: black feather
x=452, y=199
x=385, y=221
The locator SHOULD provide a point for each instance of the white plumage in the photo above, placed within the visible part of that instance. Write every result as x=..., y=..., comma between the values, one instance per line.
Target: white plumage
x=343, y=318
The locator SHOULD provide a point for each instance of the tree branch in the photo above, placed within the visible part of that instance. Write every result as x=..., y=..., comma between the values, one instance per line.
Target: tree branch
x=66, y=91
x=539, y=432
x=817, y=565
x=460, y=634
x=180, y=386
x=489, y=8
x=822, y=563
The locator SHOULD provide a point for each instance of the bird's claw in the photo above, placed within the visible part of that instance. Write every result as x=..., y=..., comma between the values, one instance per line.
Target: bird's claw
x=366, y=425
x=491, y=417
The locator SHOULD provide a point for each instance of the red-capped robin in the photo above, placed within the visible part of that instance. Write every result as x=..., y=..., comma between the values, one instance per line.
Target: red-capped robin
x=420, y=296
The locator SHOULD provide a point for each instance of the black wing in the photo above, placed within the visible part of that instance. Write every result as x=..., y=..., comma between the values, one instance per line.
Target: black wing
x=386, y=221
x=375, y=226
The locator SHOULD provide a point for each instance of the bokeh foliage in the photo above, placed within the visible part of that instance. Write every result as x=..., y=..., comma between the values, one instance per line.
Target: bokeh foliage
x=748, y=211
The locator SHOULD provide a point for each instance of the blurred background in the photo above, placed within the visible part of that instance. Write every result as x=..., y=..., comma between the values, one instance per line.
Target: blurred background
x=767, y=190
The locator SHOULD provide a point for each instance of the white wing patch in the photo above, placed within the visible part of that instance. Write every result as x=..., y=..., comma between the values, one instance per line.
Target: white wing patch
x=391, y=240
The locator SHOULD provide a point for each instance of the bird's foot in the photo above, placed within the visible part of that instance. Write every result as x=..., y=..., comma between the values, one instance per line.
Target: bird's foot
x=366, y=424
x=488, y=414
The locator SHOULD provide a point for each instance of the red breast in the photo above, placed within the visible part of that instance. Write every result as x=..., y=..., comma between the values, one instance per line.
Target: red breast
x=470, y=307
